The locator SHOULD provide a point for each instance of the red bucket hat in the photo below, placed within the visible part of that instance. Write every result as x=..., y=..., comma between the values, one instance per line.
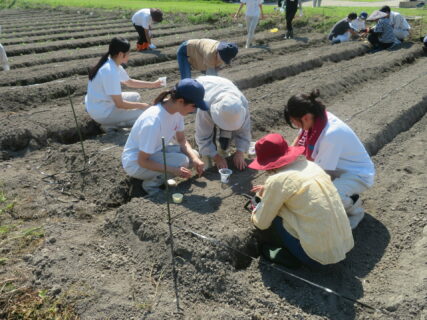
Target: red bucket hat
x=272, y=152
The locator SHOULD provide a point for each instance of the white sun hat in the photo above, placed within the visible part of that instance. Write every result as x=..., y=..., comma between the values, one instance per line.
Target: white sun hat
x=228, y=112
x=376, y=15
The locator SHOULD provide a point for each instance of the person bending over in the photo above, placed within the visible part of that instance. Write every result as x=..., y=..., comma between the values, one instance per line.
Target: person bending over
x=342, y=31
x=300, y=213
x=400, y=25
x=205, y=55
x=227, y=119
x=335, y=147
x=381, y=36
x=105, y=101
x=142, y=156
x=142, y=21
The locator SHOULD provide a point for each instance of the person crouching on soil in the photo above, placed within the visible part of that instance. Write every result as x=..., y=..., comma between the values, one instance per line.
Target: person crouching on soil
x=227, y=119
x=342, y=31
x=142, y=21
x=382, y=35
x=142, y=156
x=105, y=101
x=335, y=147
x=300, y=215
x=205, y=55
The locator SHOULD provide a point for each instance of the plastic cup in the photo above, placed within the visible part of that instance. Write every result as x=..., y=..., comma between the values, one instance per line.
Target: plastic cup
x=225, y=174
x=163, y=80
x=177, y=197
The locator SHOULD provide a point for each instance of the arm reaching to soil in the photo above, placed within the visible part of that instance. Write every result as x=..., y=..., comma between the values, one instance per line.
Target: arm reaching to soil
x=145, y=162
x=138, y=84
x=186, y=148
x=123, y=104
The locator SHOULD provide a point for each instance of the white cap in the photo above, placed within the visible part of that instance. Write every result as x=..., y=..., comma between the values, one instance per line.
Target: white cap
x=228, y=112
x=376, y=15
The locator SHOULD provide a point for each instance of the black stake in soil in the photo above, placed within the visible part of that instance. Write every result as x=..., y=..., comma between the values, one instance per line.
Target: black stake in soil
x=78, y=127
x=175, y=284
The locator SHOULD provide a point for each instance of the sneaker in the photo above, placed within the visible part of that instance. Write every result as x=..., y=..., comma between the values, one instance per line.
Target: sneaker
x=280, y=256
x=109, y=128
x=355, y=213
x=152, y=186
x=336, y=41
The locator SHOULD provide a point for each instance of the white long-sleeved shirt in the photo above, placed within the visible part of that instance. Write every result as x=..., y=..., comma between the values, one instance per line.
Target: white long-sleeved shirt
x=215, y=87
x=398, y=22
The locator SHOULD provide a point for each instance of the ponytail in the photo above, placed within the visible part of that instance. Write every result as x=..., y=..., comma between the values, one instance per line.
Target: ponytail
x=117, y=45
x=173, y=95
x=301, y=104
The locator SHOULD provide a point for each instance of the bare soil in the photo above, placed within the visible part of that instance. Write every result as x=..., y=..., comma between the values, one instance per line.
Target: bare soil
x=104, y=248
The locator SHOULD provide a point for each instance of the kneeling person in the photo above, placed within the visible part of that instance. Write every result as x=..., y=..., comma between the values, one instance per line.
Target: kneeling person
x=300, y=208
x=142, y=156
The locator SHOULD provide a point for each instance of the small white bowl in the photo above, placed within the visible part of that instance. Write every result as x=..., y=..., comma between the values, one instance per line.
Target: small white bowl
x=177, y=197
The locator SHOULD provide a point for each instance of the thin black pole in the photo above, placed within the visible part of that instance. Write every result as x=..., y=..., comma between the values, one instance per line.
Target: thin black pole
x=78, y=127
x=170, y=227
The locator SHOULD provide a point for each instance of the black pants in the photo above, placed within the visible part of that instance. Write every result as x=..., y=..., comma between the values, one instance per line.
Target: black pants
x=373, y=39
x=141, y=34
x=291, y=10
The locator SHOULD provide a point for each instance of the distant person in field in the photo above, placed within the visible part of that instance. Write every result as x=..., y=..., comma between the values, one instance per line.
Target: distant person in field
x=381, y=36
x=142, y=21
x=227, y=120
x=317, y=3
x=105, y=101
x=400, y=26
x=342, y=30
x=334, y=146
x=300, y=215
x=3, y=59
x=205, y=55
x=142, y=156
x=290, y=11
x=424, y=40
x=359, y=24
x=253, y=14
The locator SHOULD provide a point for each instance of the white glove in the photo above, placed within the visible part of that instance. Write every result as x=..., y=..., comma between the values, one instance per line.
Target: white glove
x=152, y=46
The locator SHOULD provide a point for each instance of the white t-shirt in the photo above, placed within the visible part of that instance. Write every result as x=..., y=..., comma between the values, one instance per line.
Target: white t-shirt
x=339, y=150
x=147, y=132
x=252, y=7
x=106, y=83
x=358, y=24
x=398, y=22
x=142, y=18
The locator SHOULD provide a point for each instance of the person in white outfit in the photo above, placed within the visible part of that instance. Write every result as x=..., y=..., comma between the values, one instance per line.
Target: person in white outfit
x=142, y=21
x=253, y=14
x=400, y=26
x=317, y=3
x=3, y=59
x=335, y=147
x=227, y=119
x=142, y=156
x=105, y=101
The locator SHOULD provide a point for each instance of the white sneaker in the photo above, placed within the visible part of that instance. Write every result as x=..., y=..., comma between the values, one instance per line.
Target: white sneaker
x=152, y=186
x=355, y=213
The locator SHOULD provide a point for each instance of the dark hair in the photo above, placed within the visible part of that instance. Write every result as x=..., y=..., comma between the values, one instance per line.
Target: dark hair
x=116, y=45
x=385, y=9
x=173, y=95
x=352, y=16
x=301, y=104
x=156, y=15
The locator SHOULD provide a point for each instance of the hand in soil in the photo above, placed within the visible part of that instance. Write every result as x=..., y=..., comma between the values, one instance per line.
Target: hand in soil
x=220, y=162
x=239, y=160
x=199, y=165
x=258, y=189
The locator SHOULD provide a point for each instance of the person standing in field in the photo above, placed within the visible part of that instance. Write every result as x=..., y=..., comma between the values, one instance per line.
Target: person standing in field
x=142, y=156
x=3, y=59
x=227, y=120
x=290, y=11
x=105, y=101
x=334, y=146
x=205, y=55
x=253, y=14
x=142, y=20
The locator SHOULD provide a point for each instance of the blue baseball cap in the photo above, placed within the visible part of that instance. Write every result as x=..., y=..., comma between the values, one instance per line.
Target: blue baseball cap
x=227, y=51
x=192, y=90
x=363, y=15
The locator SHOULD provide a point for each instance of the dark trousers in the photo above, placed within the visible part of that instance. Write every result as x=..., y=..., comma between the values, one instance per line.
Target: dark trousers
x=373, y=39
x=291, y=10
x=141, y=34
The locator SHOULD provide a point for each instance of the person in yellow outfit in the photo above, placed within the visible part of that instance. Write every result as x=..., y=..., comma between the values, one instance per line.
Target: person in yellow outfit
x=300, y=210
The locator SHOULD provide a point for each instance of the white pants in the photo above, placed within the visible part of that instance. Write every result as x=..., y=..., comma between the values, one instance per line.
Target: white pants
x=401, y=34
x=348, y=185
x=251, y=23
x=343, y=37
x=3, y=59
x=123, y=118
x=317, y=3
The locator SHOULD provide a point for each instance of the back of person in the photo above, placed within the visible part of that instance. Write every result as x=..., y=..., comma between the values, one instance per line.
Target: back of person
x=387, y=34
x=339, y=28
x=142, y=18
x=338, y=150
x=202, y=53
x=314, y=213
x=252, y=7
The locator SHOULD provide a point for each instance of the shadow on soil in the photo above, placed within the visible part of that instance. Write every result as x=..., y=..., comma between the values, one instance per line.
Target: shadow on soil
x=371, y=239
